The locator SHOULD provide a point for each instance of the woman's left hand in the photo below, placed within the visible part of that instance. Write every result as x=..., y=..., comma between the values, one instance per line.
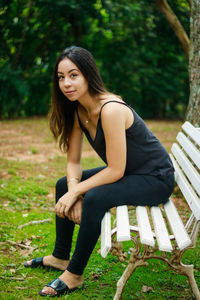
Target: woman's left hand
x=65, y=203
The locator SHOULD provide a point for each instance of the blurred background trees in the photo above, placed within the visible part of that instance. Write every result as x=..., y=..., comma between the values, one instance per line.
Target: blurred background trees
x=138, y=53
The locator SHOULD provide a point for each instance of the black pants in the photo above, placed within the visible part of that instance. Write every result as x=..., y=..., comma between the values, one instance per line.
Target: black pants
x=129, y=190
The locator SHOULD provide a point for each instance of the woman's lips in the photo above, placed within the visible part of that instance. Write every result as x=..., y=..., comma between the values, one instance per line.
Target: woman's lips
x=69, y=92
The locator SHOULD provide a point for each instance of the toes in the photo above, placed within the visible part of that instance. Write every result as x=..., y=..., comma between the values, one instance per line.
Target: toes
x=29, y=262
x=48, y=290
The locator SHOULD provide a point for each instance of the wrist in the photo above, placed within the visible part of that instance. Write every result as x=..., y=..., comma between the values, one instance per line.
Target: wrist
x=75, y=190
x=71, y=185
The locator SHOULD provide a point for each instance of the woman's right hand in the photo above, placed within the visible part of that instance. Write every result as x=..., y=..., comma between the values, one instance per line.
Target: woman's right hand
x=75, y=211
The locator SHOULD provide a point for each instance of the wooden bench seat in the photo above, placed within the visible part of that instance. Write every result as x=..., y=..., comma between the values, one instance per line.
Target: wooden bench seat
x=161, y=227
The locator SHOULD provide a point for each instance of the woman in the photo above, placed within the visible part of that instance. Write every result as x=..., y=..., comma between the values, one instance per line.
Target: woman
x=138, y=169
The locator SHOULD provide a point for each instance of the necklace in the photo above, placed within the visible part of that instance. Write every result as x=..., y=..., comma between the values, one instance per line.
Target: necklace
x=87, y=119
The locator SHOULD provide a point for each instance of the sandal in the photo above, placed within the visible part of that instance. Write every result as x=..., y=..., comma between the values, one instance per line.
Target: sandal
x=60, y=287
x=38, y=262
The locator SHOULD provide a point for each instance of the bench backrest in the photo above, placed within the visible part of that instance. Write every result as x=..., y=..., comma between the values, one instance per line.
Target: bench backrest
x=186, y=161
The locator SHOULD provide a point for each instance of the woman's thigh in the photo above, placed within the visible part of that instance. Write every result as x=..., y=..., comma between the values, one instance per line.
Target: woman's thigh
x=130, y=190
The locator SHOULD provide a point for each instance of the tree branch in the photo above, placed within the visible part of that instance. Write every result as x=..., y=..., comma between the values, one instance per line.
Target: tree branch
x=13, y=278
x=175, y=24
x=190, y=3
x=34, y=222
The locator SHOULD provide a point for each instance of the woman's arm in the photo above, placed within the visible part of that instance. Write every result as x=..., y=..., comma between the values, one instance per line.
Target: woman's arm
x=74, y=170
x=113, y=124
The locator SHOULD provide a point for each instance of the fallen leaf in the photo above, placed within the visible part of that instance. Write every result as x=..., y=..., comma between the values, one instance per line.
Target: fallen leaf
x=146, y=289
x=95, y=276
x=12, y=270
x=26, y=252
x=51, y=195
x=40, y=176
x=28, y=242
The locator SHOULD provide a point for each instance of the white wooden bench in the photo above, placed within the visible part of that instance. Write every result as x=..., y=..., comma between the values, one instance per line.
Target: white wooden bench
x=161, y=227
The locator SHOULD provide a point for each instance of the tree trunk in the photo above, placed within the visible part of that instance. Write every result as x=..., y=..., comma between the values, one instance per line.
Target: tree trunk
x=175, y=24
x=193, y=110
x=76, y=27
x=190, y=3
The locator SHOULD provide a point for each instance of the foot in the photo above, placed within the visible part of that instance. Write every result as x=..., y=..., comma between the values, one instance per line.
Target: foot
x=70, y=279
x=52, y=261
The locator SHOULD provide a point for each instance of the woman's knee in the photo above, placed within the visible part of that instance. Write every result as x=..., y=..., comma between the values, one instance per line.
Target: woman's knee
x=94, y=201
x=93, y=209
x=61, y=187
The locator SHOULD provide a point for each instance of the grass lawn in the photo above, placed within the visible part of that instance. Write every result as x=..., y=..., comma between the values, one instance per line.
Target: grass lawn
x=30, y=165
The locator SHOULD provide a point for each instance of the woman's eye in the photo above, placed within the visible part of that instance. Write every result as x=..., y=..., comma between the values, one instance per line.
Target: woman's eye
x=74, y=75
x=60, y=77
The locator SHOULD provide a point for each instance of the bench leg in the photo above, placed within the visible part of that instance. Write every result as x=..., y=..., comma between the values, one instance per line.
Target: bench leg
x=188, y=270
x=126, y=275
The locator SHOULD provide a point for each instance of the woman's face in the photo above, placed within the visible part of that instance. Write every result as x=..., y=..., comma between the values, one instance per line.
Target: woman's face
x=71, y=81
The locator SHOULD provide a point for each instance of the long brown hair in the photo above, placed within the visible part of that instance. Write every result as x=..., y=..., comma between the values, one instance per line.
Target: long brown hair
x=62, y=109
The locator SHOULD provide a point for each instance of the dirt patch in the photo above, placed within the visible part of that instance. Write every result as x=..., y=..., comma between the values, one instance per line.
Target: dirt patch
x=31, y=140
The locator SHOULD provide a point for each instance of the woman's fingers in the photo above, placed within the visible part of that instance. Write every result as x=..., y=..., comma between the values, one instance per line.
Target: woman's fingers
x=77, y=215
x=59, y=210
x=63, y=209
x=74, y=215
x=69, y=215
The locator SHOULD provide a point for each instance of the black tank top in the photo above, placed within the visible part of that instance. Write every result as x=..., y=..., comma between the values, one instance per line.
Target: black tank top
x=145, y=154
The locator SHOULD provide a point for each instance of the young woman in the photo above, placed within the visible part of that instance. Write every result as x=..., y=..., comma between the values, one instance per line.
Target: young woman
x=138, y=169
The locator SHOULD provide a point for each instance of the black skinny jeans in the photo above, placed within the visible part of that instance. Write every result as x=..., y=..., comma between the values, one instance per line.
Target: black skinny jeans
x=129, y=190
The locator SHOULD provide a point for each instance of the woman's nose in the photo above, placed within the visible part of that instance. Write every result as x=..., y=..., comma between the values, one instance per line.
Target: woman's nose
x=67, y=82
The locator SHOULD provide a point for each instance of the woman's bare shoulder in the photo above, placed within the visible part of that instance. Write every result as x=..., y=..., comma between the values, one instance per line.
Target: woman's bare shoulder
x=111, y=97
x=113, y=111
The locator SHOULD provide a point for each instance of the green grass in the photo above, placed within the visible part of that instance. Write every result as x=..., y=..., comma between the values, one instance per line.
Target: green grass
x=27, y=194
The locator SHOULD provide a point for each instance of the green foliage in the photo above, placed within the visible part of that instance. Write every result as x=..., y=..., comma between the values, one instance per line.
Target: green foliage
x=136, y=50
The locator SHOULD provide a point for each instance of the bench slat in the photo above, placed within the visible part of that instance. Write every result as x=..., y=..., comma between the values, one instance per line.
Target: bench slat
x=187, y=167
x=192, y=132
x=161, y=232
x=105, y=234
x=189, y=222
x=189, y=148
x=123, y=230
x=177, y=227
x=190, y=196
x=146, y=234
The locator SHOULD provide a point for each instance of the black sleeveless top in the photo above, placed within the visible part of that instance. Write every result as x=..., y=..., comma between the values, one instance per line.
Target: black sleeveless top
x=145, y=154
